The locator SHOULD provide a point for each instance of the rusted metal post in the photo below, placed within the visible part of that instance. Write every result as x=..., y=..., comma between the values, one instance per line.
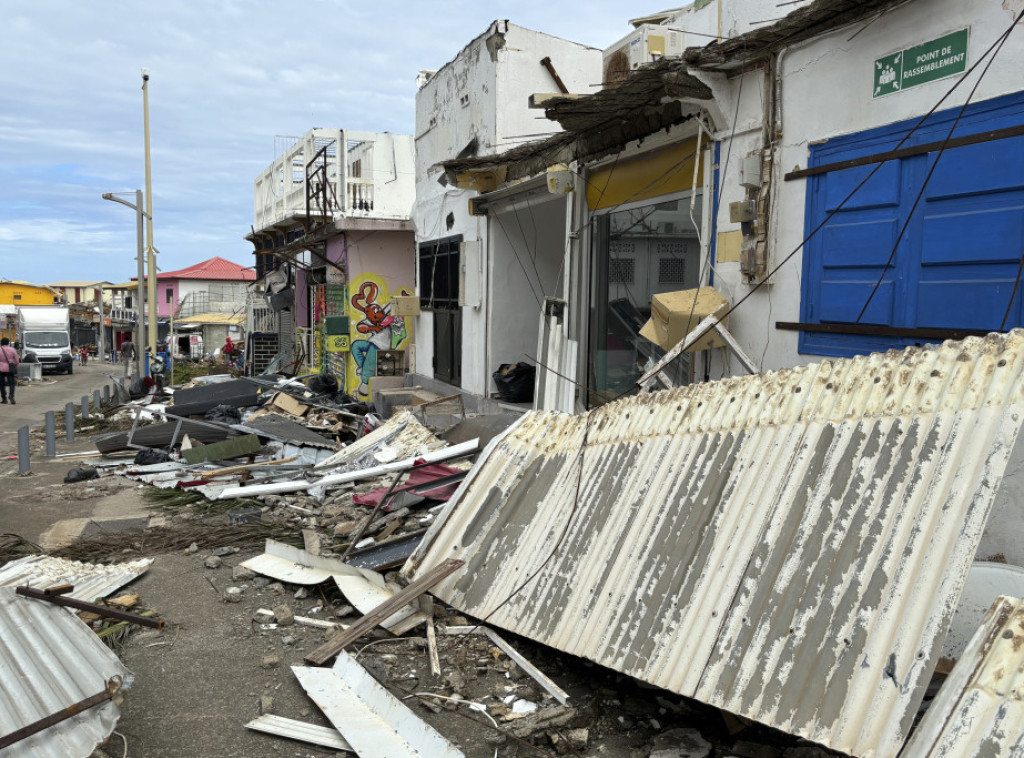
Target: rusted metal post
x=113, y=685
x=81, y=605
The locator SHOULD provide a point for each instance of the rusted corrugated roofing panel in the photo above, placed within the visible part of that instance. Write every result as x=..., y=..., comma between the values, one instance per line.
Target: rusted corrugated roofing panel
x=980, y=709
x=50, y=660
x=789, y=546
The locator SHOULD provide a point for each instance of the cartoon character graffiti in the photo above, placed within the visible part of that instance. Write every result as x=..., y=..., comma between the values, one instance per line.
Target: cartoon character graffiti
x=382, y=331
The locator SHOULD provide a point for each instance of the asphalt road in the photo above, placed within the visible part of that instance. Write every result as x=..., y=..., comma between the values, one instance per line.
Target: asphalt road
x=39, y=506
x=51, y=394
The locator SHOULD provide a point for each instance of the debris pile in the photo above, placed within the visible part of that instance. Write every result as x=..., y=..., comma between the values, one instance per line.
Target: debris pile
x=727, y=569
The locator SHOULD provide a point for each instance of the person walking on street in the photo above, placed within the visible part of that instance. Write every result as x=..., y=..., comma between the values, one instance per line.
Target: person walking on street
x=128, y=355
x=8, y=370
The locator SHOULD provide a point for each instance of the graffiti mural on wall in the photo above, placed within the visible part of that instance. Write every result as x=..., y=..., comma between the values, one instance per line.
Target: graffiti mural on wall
x=374, y=330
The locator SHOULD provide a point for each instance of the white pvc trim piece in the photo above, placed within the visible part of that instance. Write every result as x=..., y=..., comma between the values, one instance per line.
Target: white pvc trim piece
x=333, y=480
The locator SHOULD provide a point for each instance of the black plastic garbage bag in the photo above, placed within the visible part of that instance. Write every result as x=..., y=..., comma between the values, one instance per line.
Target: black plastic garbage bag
x=149, y=455
x=226, y=414
x=515, y=382
x=140, y=386
x=81, y=474
x=324, y=384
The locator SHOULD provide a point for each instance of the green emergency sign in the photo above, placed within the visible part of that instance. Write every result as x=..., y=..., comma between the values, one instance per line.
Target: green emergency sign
x=927, y=62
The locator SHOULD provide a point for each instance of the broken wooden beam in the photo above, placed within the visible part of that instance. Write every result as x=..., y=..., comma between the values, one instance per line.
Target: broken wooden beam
x=382, y=612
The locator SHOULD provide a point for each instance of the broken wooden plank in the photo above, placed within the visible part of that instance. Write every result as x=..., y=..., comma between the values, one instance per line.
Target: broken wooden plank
x=435, y=661
x=245, y=467
x=219, y=451
x=385, y=610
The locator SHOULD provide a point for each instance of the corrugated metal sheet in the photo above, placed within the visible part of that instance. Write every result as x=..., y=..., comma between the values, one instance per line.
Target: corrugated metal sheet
x=91, y=580
x=980, y=709
x=789, y=547
x=401, y=436
x=50, y=660
x=371, y=719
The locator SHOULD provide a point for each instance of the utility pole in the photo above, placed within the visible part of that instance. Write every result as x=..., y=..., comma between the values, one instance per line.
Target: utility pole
x=140, y=361
x=150, y=250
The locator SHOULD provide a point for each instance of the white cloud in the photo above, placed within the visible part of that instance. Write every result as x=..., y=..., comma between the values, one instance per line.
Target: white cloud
x=226, y=78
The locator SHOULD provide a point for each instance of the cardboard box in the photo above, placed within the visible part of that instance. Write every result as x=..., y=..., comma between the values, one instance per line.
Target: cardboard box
x=674, y=315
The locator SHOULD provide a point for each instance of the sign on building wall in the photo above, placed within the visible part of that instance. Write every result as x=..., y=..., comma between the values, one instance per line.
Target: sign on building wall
x=921, y=64
x=338, y=343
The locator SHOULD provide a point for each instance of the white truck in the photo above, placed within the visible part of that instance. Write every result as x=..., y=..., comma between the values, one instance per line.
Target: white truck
x=44, y=331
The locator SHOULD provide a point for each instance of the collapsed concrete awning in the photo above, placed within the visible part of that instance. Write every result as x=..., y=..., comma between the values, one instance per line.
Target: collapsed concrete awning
x=789, y=546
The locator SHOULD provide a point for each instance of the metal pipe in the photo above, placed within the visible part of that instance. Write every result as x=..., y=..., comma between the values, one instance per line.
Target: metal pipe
x=81, y=605
x=113, y=685
x=455, y=451
x=85, y=406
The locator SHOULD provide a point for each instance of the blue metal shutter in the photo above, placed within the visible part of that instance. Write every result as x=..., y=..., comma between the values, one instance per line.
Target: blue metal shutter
x=956, y=264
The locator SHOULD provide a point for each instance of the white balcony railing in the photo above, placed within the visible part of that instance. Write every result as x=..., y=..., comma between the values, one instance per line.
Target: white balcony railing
x=369, y=175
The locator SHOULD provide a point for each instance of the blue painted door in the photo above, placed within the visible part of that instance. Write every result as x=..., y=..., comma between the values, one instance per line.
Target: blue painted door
x=956, y=263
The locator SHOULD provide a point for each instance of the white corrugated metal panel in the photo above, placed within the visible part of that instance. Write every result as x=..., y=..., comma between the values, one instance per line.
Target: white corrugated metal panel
x=371, y=719
x=401, y=436
x=50, y=660
x=299, y=730
x=789, y=546
x=91, y=580
x=980, y=709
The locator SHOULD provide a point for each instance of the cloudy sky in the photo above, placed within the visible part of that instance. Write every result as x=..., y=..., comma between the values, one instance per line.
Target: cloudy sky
x=226, y=77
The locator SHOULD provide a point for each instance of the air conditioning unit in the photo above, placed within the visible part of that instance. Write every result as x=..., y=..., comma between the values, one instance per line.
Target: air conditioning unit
x=645, y=44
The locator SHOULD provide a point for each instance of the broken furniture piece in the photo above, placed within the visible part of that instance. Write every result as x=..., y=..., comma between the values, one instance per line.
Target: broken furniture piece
x=671, y=327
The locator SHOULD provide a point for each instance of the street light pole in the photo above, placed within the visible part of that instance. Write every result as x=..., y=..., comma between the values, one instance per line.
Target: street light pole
x=140, y=365
x=150, y=250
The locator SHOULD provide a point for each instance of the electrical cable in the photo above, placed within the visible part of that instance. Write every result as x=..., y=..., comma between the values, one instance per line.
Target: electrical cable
x=515, y=252
x=1013, y=295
